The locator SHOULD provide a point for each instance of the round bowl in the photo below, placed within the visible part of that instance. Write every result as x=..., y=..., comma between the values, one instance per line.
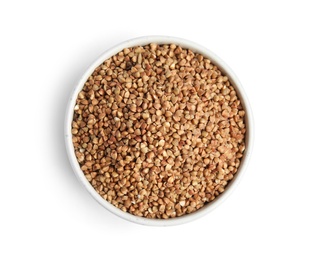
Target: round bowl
x=248, y=118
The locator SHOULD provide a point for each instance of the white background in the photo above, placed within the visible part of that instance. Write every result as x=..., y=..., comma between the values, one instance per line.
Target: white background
x=47, y=45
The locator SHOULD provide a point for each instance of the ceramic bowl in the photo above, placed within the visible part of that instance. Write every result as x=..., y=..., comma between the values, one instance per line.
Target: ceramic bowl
x=223, y=67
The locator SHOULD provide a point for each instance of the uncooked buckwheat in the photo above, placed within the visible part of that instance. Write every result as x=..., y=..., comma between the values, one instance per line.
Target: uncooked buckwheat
x=158, y=131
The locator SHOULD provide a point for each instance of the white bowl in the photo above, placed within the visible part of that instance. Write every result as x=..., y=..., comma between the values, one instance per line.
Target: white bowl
x=233, y=79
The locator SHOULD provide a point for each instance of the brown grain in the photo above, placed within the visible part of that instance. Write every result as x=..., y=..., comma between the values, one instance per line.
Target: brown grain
x=158, y=131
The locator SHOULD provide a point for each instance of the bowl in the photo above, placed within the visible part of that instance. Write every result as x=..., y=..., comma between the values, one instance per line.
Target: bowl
x=248, y=120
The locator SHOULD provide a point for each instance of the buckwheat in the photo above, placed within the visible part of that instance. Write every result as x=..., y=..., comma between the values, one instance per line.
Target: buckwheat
x=158, y=131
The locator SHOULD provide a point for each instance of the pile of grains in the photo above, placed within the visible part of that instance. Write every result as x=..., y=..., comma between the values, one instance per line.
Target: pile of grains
x=158, y=131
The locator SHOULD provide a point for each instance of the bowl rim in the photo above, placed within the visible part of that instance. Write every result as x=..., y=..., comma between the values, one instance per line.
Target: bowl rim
x=140, y=41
